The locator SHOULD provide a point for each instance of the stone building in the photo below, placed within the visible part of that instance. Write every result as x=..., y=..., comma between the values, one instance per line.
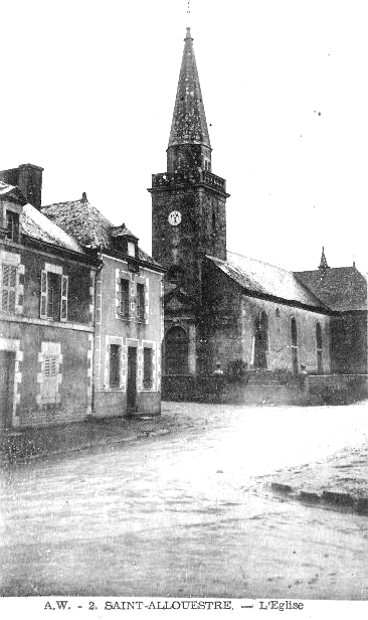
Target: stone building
x=220, y=306
x=128, y=311
x=46, y=317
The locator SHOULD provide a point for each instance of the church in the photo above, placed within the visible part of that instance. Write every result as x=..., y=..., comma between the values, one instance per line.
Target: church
x=221, y=307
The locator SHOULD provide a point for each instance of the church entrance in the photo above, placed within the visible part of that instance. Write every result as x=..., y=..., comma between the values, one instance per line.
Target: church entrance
x=261, y=341
x=176, y=351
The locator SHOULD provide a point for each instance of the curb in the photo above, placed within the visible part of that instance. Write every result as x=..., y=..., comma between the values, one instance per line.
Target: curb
x=333, y=499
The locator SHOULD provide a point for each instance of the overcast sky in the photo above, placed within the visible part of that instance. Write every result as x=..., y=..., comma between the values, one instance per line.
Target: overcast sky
x=88, y=92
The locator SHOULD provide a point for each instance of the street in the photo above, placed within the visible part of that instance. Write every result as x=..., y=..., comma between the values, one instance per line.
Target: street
x=187, y=514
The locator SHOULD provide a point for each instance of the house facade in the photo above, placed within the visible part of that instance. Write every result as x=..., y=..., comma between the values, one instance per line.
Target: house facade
x=129, y=321
x=46, y=318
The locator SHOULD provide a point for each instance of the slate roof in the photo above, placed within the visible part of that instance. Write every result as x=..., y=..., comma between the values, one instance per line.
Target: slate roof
x=189, y=124
x=340, y=288
x=81, y=220
x=38, y=226
x=264, y=279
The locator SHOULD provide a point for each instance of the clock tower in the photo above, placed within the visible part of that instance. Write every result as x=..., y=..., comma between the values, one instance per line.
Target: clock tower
x=188, y=204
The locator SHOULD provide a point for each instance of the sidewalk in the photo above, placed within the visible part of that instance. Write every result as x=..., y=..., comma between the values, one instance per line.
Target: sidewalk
x=339, y=481
x=42, y=441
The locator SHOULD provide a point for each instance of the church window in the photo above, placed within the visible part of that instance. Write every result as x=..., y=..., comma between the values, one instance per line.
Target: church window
x=174, y=274
x=294, y=345
x=176, y=351
x=261, y=340
x=319, y=349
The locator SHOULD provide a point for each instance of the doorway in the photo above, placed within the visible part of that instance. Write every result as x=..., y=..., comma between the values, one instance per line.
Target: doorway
x=132, y=378
x=7, y=370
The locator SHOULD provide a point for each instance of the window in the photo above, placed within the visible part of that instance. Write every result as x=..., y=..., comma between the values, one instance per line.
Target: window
x=294, y=346
x=124, y=298
x=277, y=313
x=9, y=287
x=50, y=379
x=147, y=368
x=319, y=349
x=140, y=301
x=131, y=248
x=12, y=225
x=54, y=296
x=114, y=365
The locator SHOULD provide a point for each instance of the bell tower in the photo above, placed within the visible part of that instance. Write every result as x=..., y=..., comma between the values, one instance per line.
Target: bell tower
x=188, y=201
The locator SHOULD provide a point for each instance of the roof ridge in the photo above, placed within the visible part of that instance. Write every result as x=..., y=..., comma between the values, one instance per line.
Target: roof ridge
x=256, y=260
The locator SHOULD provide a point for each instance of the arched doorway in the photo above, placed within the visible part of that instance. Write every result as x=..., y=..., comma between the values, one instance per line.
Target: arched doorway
x=176, y=351
x=261, y=341
x=294, y=346
x=319, y=349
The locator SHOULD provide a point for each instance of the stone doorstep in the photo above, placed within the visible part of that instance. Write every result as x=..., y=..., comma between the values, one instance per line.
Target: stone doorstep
x=333, y=499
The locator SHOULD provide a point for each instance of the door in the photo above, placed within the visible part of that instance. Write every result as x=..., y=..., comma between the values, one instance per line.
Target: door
x=132, y=377
x=7, y=366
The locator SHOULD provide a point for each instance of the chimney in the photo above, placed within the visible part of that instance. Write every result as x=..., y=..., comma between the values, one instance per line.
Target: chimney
x=30, y=183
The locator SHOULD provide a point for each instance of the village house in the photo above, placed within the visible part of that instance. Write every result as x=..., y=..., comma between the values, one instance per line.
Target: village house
x=128, y=311
x=222, y=307
x=46, y=314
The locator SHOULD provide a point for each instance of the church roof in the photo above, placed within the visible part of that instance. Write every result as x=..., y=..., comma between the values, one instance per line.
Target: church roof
x=88, y=226
x=340, y=288
x=189, y=124
x=262, y=278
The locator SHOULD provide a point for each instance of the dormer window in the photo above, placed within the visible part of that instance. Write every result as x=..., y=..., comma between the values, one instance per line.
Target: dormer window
x=131, y=249
x=12, y=225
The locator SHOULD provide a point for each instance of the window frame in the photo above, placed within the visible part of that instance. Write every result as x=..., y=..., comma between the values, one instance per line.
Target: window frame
x=141, y=302
x=12, y=219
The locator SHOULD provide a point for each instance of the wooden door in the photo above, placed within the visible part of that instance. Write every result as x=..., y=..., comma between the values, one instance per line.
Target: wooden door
x=132, y=377
x=7, y=368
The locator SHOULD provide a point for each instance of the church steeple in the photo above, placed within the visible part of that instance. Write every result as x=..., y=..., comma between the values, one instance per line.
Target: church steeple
x=323, y=264
x=189, y=142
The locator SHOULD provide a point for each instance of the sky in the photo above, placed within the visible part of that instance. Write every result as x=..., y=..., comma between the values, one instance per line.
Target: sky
x=88, y=93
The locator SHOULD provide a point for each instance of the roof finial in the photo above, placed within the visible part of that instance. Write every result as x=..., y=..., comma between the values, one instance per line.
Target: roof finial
x=323, y=264
x=189, y=36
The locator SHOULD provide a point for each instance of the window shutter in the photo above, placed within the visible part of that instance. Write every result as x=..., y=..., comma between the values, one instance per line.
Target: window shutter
x=64, y=298
x=9, y=288
x=43, y=301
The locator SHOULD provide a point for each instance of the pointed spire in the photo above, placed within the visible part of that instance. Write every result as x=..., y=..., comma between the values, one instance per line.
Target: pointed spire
x=189, y=124
x=323, y=264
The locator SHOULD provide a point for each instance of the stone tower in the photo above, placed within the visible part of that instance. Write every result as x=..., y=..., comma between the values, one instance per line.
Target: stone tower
x=188, y=201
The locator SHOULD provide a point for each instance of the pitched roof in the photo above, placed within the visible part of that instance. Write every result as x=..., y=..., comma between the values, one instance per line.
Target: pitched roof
x=189, y=124
x=88, y=226
x=264, y=279
x=340, y=288
x=11, y=191
x=38, y=226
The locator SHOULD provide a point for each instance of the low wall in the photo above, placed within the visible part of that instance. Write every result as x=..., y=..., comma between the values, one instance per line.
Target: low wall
x=266, y=389
x=338, y=389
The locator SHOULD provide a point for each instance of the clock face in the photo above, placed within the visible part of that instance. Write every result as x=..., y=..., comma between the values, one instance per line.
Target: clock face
x=174, y=218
